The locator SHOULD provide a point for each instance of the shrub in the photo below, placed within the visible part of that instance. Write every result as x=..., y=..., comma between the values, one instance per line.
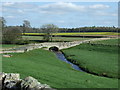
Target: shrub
x=11, y=35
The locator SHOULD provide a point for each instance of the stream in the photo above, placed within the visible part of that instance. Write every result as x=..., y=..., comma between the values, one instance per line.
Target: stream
x=61, y=57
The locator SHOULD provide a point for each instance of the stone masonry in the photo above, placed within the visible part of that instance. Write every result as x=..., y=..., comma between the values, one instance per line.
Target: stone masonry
x=12, y=81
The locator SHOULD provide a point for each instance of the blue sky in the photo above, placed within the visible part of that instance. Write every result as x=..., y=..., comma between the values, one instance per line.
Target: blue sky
x=62, y=14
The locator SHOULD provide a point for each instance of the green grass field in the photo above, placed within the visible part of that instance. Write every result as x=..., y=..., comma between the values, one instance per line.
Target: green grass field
x=55, y=38
x=44, y=66
x=102, y=60
x=111, y=41
x=7, y=46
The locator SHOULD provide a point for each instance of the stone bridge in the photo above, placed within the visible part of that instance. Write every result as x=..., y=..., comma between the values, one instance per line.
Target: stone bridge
x=59, y=45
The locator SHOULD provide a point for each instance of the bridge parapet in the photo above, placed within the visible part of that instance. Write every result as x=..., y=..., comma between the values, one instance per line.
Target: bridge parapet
x=60, y=45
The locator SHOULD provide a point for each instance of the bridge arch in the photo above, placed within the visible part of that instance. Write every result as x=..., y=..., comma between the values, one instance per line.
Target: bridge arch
x=54, y=48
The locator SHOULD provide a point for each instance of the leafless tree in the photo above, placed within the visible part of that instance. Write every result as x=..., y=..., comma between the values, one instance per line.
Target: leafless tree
x=26, y=25
x=48, y=30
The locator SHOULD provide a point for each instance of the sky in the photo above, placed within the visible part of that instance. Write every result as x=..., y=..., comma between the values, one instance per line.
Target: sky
x=62, y=14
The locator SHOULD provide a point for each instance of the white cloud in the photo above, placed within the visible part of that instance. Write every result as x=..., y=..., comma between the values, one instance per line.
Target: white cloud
x=51, y=8
x=102, y=13
x=1, y=10
x=61, y=21
x=114, y=14
x=99, y=6
x=18, y=8
x=107, y=22
x=8, y=3
x=61, y=7
x=20, y=5
x=9, y=16
x=20, y=11
x=64, y=7
x=24, y=9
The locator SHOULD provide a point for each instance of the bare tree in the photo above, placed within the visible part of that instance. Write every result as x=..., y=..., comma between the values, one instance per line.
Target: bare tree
x=26, y=25
x=48, y=30
x=2, y=26
x=2, y=22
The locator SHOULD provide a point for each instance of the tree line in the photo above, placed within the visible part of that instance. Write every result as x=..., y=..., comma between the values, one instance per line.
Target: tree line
x=91, y=29
x=70, y=30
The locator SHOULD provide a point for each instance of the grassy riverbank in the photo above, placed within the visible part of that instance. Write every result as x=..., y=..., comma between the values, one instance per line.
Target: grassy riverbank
x=99, y=59
x=44, y=66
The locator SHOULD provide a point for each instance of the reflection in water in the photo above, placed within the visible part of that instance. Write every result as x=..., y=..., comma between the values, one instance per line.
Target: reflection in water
x=62, y=57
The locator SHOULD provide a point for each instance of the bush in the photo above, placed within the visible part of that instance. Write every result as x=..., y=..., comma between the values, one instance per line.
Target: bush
x=11, y=35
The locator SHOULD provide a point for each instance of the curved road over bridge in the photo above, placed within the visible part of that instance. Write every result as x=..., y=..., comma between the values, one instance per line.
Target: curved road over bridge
x=47, y=45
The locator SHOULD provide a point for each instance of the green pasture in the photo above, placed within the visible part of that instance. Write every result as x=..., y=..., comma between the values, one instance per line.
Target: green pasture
x=44, y=66
x=7, y=46
x=99, y=59
x=32, y=38
x=110, y=41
